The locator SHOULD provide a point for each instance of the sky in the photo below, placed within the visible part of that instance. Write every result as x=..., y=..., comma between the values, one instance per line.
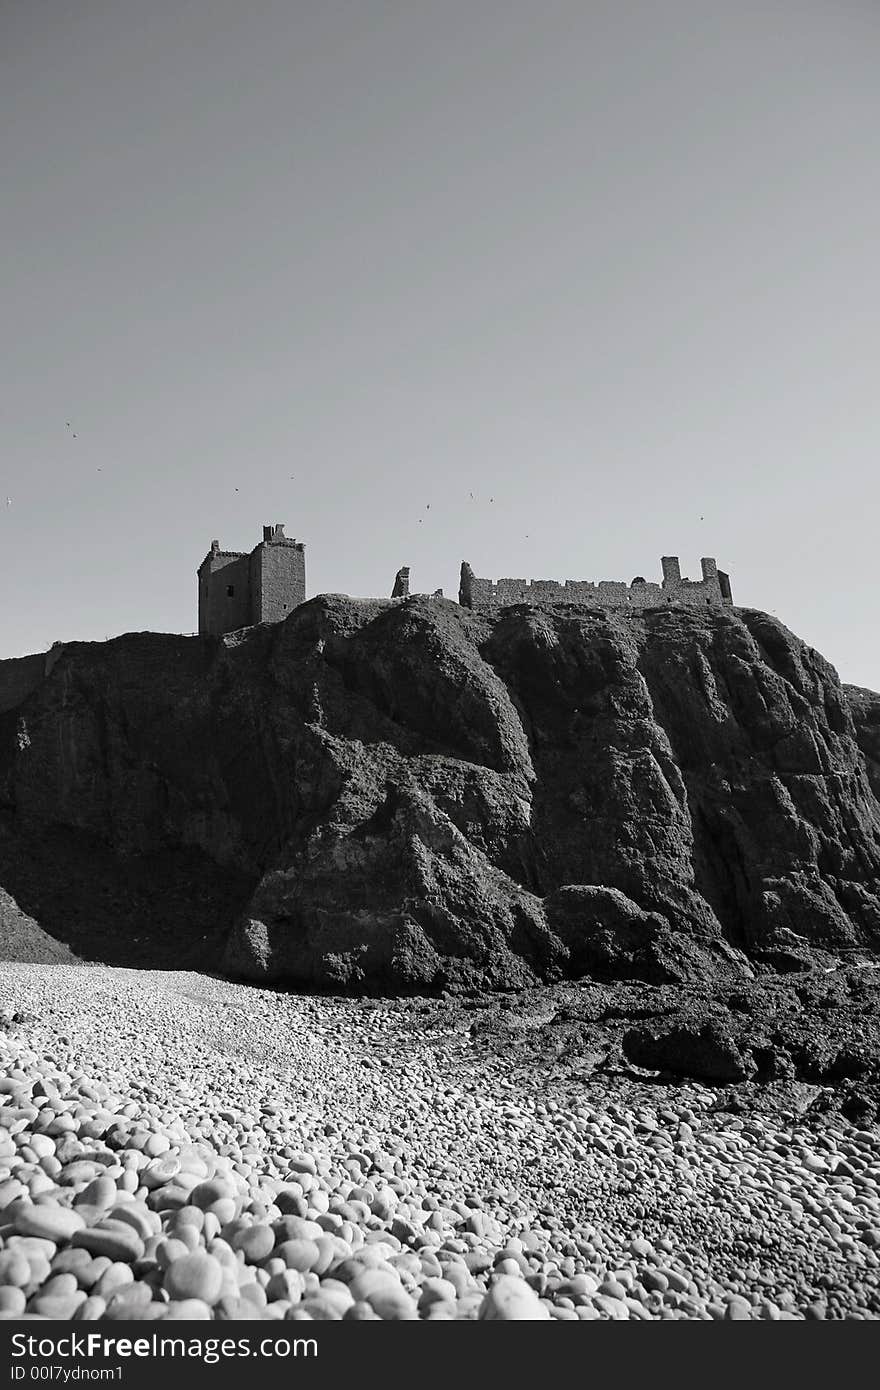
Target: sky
x=609, y=266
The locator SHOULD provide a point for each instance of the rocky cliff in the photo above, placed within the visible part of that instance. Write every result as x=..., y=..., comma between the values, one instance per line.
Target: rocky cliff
x=407, y=795
x=864, y=706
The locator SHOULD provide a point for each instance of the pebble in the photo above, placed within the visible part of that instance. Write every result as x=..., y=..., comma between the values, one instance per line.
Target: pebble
x=416, y=1188
x=118, y=1241
x=198, y=1276
x=302, y=1254
x=510, y=1299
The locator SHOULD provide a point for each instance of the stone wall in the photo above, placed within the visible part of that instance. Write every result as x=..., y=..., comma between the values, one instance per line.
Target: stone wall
x=486, y=595
x=237, y=589
x=278, y=579
x=220, y=610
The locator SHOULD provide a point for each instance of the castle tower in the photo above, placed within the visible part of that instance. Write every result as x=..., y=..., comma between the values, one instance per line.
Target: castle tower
x=278, y=575
x=237, y=589
x=224, y=591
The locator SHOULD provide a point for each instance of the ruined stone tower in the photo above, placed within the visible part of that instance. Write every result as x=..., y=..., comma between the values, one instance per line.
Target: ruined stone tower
x=237, y=589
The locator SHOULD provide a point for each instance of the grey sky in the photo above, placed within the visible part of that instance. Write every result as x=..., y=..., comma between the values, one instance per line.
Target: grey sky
x=611, y=263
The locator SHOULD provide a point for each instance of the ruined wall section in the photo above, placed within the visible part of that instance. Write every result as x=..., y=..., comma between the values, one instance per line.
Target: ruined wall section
x=713, y=590
x=401, y=583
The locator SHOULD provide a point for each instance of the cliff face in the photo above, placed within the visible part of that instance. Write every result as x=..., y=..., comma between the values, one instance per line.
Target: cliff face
x=407, y=795
x=864, y=706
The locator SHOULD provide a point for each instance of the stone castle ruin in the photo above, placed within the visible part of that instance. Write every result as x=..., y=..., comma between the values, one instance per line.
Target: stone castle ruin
x=713, y=589
x=238, y=589
x=401, y=583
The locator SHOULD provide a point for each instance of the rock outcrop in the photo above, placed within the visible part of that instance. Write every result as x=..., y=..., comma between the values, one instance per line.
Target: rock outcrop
x=408, y=795
x=864, y=706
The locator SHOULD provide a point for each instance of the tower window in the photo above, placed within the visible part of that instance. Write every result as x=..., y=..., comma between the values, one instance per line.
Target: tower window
x=230, y=591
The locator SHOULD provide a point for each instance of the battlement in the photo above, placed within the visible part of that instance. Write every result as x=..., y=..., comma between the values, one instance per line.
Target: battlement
x=486, y=595
x=238, y=588
x=274, y=535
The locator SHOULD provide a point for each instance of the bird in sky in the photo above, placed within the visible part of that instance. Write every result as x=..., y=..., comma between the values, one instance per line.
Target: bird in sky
x=428, y=507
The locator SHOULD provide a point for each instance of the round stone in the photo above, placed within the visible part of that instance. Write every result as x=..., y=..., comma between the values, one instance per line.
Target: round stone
x=186, y=1309
x=360, y=1312
x=393, y=1304
x=738, y=1309
x=101, y=1193
x=49, y=1222
x=205, y=1194
x=187, y=1216
x=197, y=1276
x=112, y=1278
x=510, y=1299
x=612, y=1289
x=255, y=1242
x=59, y=1284
x=299, y=1254
x=91, y=1310
x=168, y=1250
x=161, y=1170
x=136, y=1215
x=130, y=1295
x=117, y=1241
x=295, y=1228
x=15, y=1268
x=322, y=1309
x=285, y=1286
x=12, y=1299
x=60, y=1308
x=222, y=1211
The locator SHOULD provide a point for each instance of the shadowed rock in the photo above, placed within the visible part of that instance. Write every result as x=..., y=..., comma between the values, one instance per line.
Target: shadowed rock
x=705, y=1052
x=410, y=795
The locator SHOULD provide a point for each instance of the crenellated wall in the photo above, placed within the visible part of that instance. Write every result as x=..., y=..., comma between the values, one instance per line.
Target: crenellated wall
x=712, y=590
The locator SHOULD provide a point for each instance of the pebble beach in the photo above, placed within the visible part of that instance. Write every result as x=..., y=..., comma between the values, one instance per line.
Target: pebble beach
x=175, y=1146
